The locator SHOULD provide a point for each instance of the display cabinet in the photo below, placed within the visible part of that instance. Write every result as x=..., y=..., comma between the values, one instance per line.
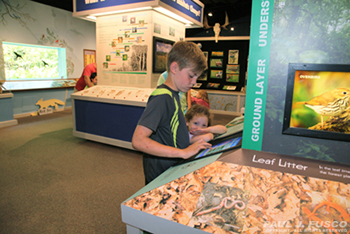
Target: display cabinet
x=243, y=191
x=108, y=114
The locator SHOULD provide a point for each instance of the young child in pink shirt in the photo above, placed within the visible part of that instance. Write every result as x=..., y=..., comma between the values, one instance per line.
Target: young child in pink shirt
x=201, y=99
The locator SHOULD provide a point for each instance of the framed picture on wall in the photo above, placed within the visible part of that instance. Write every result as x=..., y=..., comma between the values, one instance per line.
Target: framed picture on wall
x=232, y=69
x=157, y=28
x=215, y=62
x=216, y=74
x=229, y=87
x=217, y=53
x=89, y=57
x=161, y=48
x=232, y=77
x=213, y=85
x=171, y=31
x=232, y=73
x=233, y=56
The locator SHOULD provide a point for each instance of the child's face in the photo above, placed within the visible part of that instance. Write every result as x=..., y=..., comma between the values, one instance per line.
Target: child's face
x=185, y=79
x=197, y=122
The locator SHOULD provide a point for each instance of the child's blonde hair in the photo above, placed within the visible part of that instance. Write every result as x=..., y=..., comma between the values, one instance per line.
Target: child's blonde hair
x=197, y=110
x=202, y=94
x=187, y=55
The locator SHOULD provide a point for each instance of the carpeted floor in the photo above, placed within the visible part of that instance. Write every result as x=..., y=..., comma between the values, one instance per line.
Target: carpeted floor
x=53, y=182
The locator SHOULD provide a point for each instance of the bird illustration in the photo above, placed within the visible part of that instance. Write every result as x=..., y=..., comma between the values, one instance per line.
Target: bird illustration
x=45, y=63
x=17, y=55
x=217, y=26
x=330, y=103
x=15, y=16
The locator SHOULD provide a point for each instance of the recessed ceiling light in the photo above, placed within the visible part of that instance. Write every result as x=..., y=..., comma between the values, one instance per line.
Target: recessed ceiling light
x=210, y=14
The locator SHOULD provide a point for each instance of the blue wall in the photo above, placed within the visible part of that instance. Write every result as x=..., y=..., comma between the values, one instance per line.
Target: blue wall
x=25, y=101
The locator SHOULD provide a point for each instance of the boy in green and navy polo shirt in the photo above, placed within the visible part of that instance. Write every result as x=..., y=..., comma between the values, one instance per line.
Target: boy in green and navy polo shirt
x=161, y=132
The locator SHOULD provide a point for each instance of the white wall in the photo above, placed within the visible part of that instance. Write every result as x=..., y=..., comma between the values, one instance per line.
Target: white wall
x=29, y=22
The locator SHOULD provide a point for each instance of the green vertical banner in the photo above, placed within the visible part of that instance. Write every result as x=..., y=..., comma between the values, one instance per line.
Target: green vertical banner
x=258, y=71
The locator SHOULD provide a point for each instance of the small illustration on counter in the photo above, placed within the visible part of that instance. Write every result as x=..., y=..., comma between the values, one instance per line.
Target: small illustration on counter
x=51, y=102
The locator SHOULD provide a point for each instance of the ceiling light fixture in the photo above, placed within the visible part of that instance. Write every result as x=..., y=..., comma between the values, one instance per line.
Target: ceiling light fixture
x=172, y=15
x=210, y=14
x=122, y=11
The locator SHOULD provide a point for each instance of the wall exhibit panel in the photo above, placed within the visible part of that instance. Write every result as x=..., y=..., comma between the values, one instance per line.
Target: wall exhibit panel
x=123, y=48
x=167, y=28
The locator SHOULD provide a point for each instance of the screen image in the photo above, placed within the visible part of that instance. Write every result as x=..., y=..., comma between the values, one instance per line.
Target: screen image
x=317, y=101
x=221, y=147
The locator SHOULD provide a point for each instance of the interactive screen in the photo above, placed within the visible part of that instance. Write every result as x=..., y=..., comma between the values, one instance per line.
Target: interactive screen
x=223, y=146
x=218, y=146
x=317, y=101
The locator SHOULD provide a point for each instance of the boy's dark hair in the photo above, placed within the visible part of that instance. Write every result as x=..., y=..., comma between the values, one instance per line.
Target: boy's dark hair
x=93, y=75
x=187, y=54
x=198, y=110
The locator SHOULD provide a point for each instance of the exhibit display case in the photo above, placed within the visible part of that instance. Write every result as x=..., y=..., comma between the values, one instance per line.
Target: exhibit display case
x=244, y=191
x=108, y=114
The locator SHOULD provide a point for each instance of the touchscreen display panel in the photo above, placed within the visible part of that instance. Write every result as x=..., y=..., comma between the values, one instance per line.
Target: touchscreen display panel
x=220, y=147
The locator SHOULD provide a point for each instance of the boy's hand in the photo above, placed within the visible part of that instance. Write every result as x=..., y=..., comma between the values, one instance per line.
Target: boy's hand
x=195, y=148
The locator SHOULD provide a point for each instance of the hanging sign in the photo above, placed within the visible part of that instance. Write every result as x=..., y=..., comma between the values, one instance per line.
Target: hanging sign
x=190, y=8
x=84, y=5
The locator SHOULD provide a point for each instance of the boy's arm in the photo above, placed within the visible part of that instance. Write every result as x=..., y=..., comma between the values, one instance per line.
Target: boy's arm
x=216, y=129
x=141, y=141
x=88, y=81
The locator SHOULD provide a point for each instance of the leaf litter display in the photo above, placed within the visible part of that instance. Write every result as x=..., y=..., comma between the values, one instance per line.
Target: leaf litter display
x=220, y=206
x=229, y=198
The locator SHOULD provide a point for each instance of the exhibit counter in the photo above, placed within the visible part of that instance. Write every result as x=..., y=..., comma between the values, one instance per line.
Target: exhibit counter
x=244, y=191
x=108, y=114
